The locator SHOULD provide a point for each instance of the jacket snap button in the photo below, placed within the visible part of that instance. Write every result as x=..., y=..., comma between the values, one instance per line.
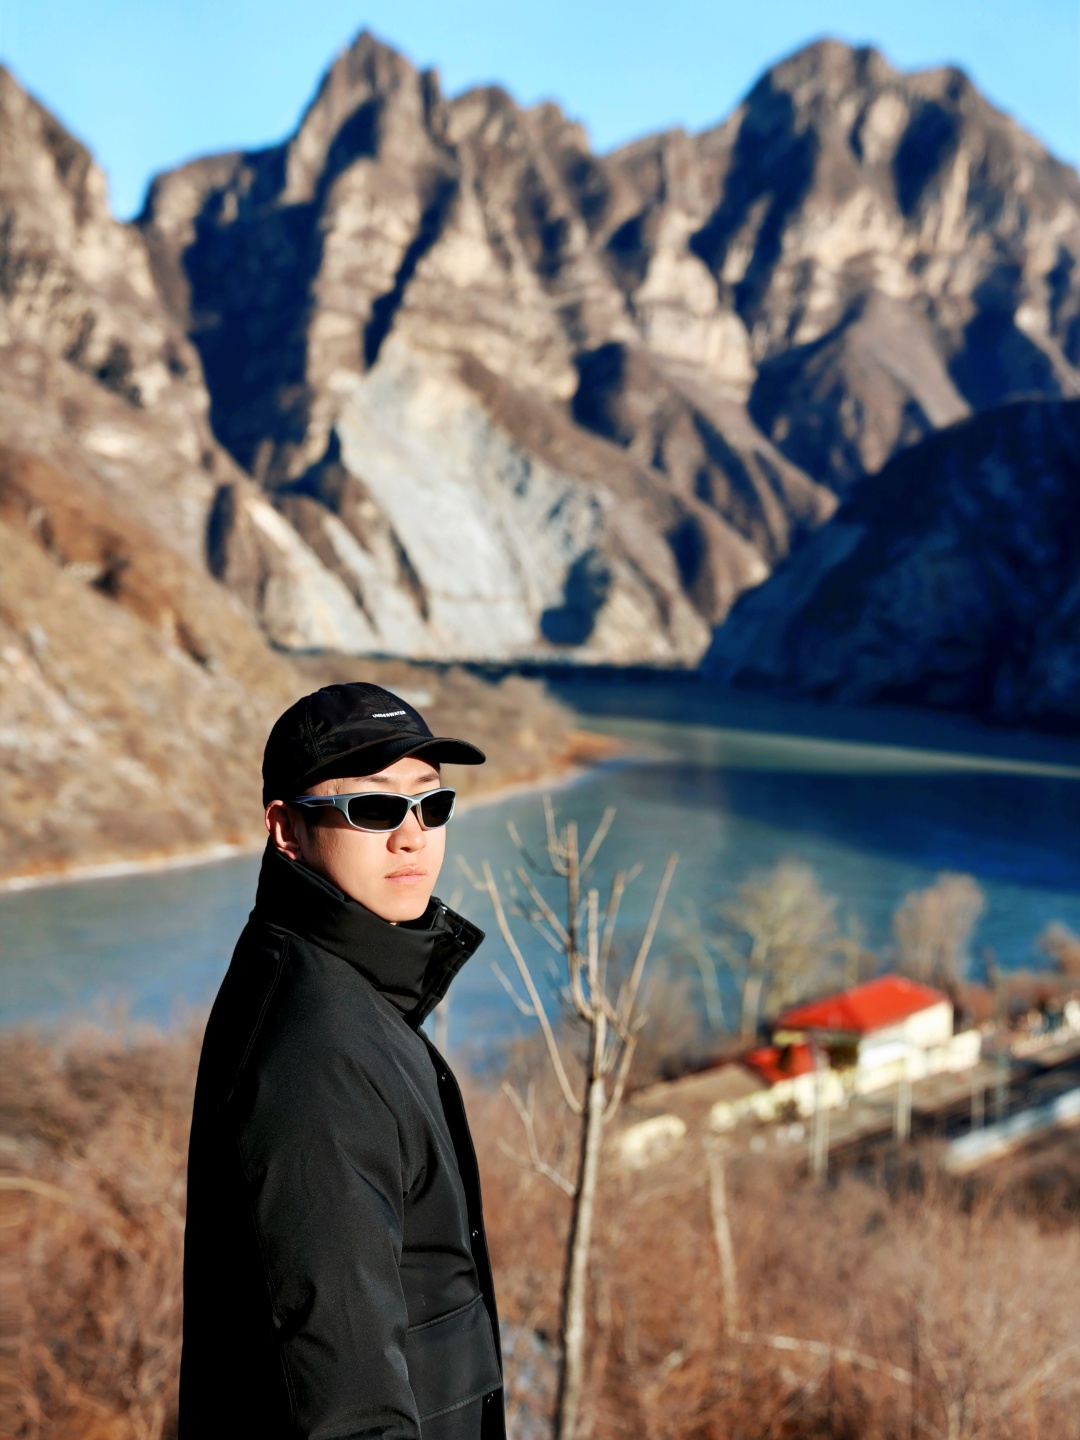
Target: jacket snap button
x=475, y=1234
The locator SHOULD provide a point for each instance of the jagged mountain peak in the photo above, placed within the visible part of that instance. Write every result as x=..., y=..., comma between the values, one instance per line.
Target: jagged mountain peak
x=44, y=163
x=370, y=94
x=852, y=259
x=415, y=297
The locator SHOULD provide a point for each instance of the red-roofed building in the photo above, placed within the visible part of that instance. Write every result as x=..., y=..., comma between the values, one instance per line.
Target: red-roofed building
x=891, y=1002
x=888, y=1030
x=895, y=1027
x=880, y=1004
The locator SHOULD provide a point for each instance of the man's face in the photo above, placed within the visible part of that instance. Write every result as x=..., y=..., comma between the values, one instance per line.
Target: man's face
x=391, y=874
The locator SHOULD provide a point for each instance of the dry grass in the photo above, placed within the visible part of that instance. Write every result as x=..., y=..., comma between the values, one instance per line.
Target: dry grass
x=95, y=1138
x=978, y=1305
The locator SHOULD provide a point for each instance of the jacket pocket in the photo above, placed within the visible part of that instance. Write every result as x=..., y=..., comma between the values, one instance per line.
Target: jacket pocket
x=452, y=1360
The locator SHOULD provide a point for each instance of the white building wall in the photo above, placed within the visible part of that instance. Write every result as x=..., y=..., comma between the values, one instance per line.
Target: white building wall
x=925, y=1029
x=930, y=1027
x=889, y=1064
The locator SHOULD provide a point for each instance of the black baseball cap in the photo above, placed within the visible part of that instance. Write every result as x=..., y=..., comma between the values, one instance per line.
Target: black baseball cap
x=350, y=729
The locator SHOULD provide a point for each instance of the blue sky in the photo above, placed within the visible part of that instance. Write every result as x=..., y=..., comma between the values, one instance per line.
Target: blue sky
x=149, y=83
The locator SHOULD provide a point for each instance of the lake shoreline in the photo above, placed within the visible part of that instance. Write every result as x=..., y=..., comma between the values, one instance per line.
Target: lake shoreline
x=583, y=757
x=870, y=829
x=609, y=728
x=682, y=700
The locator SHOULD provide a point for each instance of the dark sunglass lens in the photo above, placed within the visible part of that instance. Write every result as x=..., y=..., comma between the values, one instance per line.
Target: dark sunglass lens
x=377, y=812
x=436, y=809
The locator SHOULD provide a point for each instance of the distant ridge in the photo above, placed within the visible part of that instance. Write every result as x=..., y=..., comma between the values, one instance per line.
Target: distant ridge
x=952, y=580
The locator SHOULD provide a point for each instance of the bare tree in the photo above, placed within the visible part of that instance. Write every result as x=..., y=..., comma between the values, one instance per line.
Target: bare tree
x=933, y=929
x=689, y=931
x=1062, y=946
x=725, y=1250
x=611, y=1018
x=781, y=939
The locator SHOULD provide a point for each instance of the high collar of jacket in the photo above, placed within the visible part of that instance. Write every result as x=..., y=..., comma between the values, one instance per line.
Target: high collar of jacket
x=411, y=964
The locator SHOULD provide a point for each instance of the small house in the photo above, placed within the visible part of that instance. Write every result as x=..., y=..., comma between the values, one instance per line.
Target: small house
x=883, y=1031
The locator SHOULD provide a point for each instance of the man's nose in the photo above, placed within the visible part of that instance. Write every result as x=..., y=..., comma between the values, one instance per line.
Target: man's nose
x=410, y=834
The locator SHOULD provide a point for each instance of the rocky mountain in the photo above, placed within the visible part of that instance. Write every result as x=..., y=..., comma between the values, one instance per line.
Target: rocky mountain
x=137, y=694
x=430, y=379
x=951, y=579
x=136, y=690
x=622, y=386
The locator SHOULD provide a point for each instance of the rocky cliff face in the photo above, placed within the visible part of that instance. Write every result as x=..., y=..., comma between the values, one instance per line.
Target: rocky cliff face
x=137, y=690
x=432, y=379
x=94, y=370
x=621, y=386
x=950, y=579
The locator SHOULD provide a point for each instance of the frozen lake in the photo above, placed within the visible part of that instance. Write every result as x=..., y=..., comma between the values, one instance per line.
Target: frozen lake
x=873, y=821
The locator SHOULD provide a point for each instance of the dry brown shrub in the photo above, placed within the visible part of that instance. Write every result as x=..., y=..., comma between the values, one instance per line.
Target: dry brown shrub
x=976, y=1301
x=95, y=1137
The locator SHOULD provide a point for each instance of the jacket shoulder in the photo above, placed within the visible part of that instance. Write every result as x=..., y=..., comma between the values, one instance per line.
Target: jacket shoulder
x=286, y=1001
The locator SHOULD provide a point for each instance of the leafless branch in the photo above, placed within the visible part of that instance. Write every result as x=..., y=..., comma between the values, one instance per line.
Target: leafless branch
x=628, y=991
x=725, y=1250
x=535, y=1161
x=831, y=1352
x=522, y=1007
x=470, y=874
x=599, y=836
x=555, y=852
x=618, y=889
x=545, y=909
x=626, y=1059
x=525, y=853
x=1035, y=1378
x=534, y=995
x=593, y=943
x=545, y=934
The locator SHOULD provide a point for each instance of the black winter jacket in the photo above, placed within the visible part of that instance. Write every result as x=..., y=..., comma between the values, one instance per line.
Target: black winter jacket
x=336, y=1276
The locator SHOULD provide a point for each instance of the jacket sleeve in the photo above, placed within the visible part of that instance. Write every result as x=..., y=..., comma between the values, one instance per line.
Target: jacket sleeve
x=323, y=1164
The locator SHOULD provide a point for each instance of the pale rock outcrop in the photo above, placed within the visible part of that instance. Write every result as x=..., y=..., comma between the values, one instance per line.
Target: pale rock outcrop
x=90, y=359
x=453, y=540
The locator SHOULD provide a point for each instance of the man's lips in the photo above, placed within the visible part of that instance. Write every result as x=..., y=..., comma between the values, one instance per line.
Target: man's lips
x=406, y=877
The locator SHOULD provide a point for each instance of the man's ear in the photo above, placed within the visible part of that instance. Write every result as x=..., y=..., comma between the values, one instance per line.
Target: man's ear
x=282, y=824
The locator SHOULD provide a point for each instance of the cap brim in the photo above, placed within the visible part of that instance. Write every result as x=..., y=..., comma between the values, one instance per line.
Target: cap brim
x=376, y=755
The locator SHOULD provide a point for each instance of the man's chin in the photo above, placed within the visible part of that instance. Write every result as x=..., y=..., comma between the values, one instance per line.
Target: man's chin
x=400, y=905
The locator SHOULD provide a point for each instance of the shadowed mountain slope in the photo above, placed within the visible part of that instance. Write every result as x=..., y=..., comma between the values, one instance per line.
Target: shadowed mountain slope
x=951, y=579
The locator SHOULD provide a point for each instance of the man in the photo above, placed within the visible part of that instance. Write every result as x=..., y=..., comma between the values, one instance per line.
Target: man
x=336, y=1276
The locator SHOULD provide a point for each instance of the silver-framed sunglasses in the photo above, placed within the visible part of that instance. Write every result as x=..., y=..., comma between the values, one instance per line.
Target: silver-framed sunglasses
x=381, y=812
